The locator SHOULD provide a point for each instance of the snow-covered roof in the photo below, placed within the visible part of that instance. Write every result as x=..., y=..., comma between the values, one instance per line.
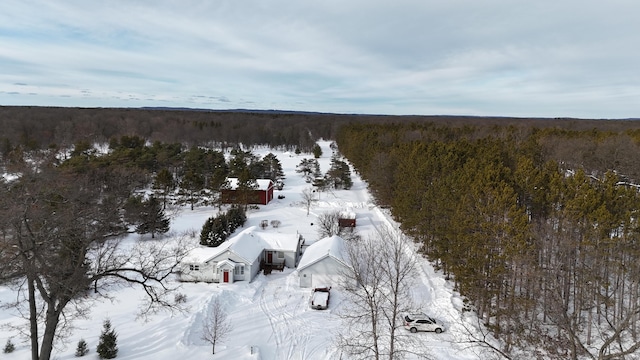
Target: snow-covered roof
x=332, y=246
x=248, y=244
x=201, y=254
x=278, y=241
x=227, y=263
x=347, y=214
x=263, y=184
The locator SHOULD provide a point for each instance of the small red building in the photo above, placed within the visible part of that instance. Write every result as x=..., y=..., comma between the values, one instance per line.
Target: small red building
x=347, y=219
x=262, y=195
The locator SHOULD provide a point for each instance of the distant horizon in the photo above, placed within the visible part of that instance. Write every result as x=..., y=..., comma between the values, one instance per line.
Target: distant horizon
x=279, y=111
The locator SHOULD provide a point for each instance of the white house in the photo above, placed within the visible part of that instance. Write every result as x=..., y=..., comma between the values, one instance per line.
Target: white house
x=242, y=256
x=323, y=263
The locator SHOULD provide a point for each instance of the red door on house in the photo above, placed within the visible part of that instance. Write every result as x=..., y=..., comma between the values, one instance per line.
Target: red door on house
x=225, y=276
x=269, y=257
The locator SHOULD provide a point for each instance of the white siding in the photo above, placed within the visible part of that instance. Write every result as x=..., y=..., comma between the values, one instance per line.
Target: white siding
x=204, y=272
x=290, y=259
x=306, y=279
x=326, y=272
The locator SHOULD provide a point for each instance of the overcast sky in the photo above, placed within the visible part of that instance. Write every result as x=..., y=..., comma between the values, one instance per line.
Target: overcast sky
x=557, y=58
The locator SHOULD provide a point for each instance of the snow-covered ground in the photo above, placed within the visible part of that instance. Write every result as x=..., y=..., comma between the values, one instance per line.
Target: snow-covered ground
x=270, y=316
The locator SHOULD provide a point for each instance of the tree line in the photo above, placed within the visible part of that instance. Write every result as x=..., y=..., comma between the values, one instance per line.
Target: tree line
x=36, y=128
x=32, y=128
x=542, y=240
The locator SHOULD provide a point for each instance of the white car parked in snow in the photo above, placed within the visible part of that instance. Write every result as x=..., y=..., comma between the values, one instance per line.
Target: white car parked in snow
x=422, y=322
x=320, y=298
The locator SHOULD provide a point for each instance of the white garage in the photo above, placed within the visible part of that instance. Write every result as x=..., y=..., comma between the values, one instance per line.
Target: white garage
x=323, y=263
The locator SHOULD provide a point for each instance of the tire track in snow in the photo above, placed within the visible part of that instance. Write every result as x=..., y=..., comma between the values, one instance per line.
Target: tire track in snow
x=269, y=314
x=292, y=330
x=290, y=320
x=425, y=279
x=282, y=328
x=302, y=331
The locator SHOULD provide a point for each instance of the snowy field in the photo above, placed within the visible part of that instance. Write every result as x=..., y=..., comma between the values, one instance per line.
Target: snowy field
x=270, y=316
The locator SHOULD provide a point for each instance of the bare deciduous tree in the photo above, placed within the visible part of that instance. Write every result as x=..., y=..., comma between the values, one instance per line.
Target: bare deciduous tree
x=217, y=326
x=485, y=345
x=56, y=245
x=382, y=271
x=619, y=341
x=329, y=225
x=308, y=196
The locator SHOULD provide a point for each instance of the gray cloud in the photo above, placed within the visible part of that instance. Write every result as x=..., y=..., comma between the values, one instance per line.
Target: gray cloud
x=495, y=57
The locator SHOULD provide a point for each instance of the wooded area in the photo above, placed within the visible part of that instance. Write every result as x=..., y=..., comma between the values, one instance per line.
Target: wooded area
x=43, y=127
x=534, y=220
x=538, y=228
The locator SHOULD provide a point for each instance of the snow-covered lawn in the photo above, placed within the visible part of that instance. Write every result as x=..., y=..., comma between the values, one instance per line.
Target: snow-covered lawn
x=270, y=316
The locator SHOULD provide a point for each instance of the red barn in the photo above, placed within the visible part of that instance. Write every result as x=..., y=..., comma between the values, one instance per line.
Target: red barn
x=260, y=196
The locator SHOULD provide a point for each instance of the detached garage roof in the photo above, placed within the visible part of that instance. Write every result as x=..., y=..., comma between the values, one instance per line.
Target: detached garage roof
x=330, y=247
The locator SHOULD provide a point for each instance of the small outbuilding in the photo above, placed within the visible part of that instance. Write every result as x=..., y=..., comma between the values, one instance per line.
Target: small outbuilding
x=323, y=263
x=347, y=219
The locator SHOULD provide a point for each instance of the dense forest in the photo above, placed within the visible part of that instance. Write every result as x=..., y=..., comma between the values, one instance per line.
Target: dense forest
x=51, y=127
x=537, y=228
x=535, y=221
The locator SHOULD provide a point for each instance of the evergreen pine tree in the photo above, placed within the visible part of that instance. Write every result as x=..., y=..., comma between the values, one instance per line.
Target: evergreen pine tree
x=133, y=210
x=205, y=233
x=107, y=346
x=339, y=175
x=152, y=218
x=192, y=182
x=316, y=168
x=246, y=185
x=236, y=217
x=345, y=175
x=82, y=349
x=219, y=230
x=272, y=168
x=9, y=347
x=164, y=181
x=215, y=231
x=317, y=151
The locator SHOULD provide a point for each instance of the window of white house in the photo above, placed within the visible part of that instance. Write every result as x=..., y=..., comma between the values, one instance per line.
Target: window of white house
x=193, y=267
x=280, y=255
x=239, y=270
